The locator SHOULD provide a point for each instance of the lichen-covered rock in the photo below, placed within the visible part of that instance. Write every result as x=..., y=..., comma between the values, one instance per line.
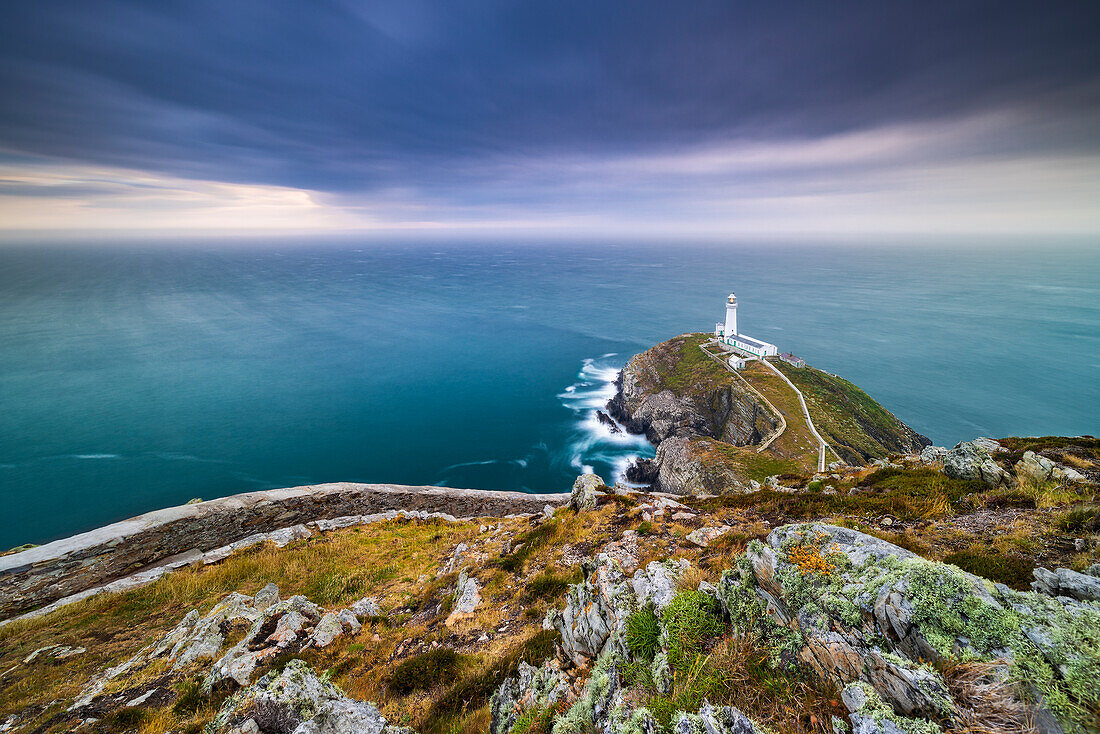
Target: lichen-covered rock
x=296, y=700
x=282, y=627
x=531, y=688
x=365, y=608
x=1065, y=582
x=860, y=610
x=974, y=460
x=871, y=715
x=327, y=630
x=583, y=495
x=467, y=597
x=715, y=720
x=595, y=610
x=933, y=454
x=1035, y=467
x=656, y=583
x=705, y=536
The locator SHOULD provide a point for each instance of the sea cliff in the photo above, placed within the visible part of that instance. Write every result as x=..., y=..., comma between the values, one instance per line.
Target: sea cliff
x=905, y=588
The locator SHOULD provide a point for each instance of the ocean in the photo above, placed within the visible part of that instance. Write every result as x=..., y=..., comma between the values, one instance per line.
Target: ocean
x=135, y=377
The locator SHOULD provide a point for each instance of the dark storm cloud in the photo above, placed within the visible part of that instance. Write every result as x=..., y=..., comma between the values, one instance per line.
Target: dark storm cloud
x=361, y=96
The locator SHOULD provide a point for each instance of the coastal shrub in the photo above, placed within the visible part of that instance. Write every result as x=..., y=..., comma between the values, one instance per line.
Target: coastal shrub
x=1079, y=520
x=642, y=631
x=531, y=541
x=473, y=690
x=645, y=527
x=191, y=697
x=125, y=719
x=425, y=671
x=692, y=620
x=986, y=562
x=548, y=585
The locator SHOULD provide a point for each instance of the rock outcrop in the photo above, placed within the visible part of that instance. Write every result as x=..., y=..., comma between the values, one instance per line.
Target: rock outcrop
x=974, y=460
x=296, y=700
x=859, y=610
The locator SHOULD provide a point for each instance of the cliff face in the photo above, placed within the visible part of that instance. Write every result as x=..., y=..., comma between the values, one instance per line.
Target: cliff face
x=712, y=429
x=679, y=398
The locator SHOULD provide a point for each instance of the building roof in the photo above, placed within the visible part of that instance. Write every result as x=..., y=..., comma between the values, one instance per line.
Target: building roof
x=752, y=342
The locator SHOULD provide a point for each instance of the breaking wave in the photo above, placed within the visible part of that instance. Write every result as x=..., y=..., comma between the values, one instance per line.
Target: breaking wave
x=595, y=445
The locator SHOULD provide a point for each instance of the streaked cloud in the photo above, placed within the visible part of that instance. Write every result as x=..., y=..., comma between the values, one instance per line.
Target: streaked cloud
x=714, y=119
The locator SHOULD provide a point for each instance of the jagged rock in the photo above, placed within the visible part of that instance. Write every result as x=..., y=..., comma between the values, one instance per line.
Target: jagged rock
x=705, y=536
x=193, y=639
x=327, y=630
x=282, y=627
x=1067, y=474
x=594, y=610
x=656, y=583
x=531, y=688
x=349, y=621
x=834, y=629
x=624, y=551
x=454, y=563
x=297, y=700
x=711, y=720
x=870, y=715
x=583, y=496
x=973, y=460
x=933, y=454
x=467, y=597
x=1065, y=582
x=366, y=607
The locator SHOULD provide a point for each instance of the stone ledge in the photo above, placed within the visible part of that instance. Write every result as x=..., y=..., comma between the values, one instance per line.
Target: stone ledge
x=68, y=566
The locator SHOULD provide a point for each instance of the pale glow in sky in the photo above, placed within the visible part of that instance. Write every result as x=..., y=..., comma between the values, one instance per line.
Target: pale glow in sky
x=897, y=180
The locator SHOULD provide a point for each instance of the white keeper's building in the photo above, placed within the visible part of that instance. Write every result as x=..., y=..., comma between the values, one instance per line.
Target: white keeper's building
x=727, y=333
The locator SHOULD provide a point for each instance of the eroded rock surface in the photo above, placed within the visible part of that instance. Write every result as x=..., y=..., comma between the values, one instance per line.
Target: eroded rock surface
x=296, y=700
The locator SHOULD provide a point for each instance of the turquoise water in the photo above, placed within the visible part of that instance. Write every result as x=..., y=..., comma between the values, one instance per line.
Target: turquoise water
x=134, y=378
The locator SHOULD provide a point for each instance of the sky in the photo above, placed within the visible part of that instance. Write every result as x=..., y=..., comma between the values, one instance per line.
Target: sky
x=563, y=119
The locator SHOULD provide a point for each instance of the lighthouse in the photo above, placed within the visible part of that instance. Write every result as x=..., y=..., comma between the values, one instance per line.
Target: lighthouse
x=731, y=317
x=727, y=334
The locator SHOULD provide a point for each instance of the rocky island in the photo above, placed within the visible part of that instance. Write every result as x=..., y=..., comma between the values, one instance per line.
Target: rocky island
x=904, y=588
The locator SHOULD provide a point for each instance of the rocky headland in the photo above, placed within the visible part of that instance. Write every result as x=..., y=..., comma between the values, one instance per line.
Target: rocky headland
x=717, y=432
x=907, y=588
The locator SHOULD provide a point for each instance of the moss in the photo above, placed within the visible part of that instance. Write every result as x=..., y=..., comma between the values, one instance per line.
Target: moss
x=642, y=631
x=986, y=562
x=691, y=620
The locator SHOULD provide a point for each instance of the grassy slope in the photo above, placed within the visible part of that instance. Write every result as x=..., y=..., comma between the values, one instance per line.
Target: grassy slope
x=846, y=416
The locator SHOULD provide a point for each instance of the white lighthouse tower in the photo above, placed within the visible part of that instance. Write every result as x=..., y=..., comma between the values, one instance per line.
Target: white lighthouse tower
x=731, y=317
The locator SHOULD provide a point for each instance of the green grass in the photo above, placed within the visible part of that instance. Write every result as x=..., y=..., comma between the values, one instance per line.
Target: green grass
x=531, y=541
x=642, y=632
x=907, y=494
x=692, y=619
x=473, y=690
x=690, y=368
x=847, y=418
